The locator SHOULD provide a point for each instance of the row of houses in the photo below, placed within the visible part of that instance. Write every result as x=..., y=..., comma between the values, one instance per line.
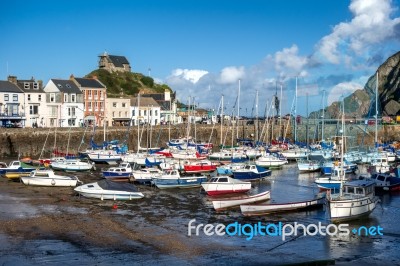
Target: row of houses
x=76, y=102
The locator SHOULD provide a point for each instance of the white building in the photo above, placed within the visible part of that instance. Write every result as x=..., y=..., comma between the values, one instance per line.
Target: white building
x=33, y=101
x=11, y=105
x=145, y=110
x=65, y=104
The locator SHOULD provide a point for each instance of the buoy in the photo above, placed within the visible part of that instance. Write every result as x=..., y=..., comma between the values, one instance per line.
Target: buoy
x=115, y=206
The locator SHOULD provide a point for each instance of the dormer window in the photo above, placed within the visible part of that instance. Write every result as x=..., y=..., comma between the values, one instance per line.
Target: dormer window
x=60, y=86
x=26, y=85
x=35, y=86
x=68, y=86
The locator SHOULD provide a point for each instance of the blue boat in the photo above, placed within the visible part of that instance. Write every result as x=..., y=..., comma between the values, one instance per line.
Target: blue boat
x=251, y=172
x=16, y=167
x=122, y=172
x=328, y=166
x=172, y=179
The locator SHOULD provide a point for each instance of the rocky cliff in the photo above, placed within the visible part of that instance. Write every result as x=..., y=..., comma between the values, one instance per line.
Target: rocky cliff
x=362, y=102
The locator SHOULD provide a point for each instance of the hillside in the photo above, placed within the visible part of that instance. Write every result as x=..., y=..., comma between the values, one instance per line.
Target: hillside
x=127, y=83
x=362, y=102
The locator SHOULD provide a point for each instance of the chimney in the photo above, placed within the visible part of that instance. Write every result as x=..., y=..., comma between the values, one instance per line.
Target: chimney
x=12, y=79
x=71, y=77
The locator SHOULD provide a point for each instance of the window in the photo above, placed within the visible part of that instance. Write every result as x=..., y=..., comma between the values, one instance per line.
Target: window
x=33, y=109
x=35, y=86
x=89, y=93
x=90, y=105
x=123, y=104
x=133, y=112
x=73, y=98
x=40, y=97
x=119, y=114
x=113, y=114
x=29, y=97
x=65, y=97
x=6, y=99
x=156, y=112
x=68, y=86
x=53, y=110
x=150, y=111
x=145, y=112
x=126, y=113
x=52, y=97
x=15, y=97
x=71, y=111
x=26, y=85
x=114, y=104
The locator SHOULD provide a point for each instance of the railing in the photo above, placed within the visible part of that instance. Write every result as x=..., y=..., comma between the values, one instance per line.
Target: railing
x=6, y=115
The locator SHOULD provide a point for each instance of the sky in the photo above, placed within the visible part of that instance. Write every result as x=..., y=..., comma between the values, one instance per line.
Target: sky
x=208, y=50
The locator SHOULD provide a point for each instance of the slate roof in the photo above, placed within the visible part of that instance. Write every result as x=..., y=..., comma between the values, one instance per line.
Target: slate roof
x=21, y=85
x=144, y=101
x=67, y=86
x=90, y=83
x=6, y=86
x=118, y=61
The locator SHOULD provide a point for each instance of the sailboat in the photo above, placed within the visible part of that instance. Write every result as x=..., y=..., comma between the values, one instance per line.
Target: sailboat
x=355, y=198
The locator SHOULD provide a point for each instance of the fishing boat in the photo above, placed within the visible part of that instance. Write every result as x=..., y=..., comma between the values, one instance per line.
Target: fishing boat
x=225, y=185
x=121, y=173
x=251, y=172
x=356, y=199
x=109, y=190
x=47, y=177
x=203, y=166
x=145, y=175
x=385, y=182
x=225, y=203
x=72, y=165
x=172, y=179
x=261, y=209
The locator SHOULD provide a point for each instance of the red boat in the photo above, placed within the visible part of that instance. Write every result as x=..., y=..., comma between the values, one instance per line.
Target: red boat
x=202, y=166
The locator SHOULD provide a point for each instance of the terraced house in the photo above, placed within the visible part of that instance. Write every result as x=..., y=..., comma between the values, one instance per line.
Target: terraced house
x=94, y=99
x=11, y=105
x=64, y=104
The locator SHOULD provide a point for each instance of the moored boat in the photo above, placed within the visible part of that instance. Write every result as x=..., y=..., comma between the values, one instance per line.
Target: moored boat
x=261, y=209
x=47, y=177
x=172, y=179
x=121, y=173
x=107, y=189
x=221, y=204
x=203, y=166
x=251, y=172
x=225, y=185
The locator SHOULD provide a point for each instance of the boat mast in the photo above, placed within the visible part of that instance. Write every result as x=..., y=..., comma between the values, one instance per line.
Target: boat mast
x=295, y=113
x=256, y=136
x=138, y=122
x=342, y=153
x=376, y=108
x=238, y=113
x=222, y=115
x=323, y=115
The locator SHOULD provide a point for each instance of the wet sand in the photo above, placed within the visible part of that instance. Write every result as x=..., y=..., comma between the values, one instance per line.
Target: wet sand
x=55, y=226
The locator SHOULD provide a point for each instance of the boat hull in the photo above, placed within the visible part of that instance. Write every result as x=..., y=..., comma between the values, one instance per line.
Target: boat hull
x=182, y=182
x=233, y=202
x=48, y=182
x=345, y=210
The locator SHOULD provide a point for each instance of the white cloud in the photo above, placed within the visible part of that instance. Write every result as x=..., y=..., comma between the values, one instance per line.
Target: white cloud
x=288, y=60
x=192, y=75
x=343, y=89
x=370, y=25
x=231, y=74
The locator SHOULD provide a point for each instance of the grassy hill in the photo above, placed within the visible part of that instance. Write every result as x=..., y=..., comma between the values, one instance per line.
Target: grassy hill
x=127, y=83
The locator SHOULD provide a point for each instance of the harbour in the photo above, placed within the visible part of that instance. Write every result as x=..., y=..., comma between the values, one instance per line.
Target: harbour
x=56, y=226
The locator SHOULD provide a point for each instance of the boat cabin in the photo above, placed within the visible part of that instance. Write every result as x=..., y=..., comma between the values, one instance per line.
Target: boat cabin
x=222, y=179
x=359, y=188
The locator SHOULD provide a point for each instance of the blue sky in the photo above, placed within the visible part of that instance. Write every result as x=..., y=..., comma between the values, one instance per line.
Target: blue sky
x=202, y=48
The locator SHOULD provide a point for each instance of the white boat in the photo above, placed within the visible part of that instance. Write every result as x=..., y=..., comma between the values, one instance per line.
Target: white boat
x=379, y=165
x=308, y=165
x=145, y=175
x=105, y=156
x=46, y=177
x=172, y=179
x=107, y=189
x=71, y=165
x=225, y=203
x=271, y=160
x=224, y=185
x=296, y=153
x=122, y=172
x=356, y=199
x=261, y=209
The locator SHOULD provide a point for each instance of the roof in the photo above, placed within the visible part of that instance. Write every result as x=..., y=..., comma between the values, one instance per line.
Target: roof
x=118, y=61
x=90, y=83
x=144, y=101
x=6, y=86
x=21, y=85
x=67, y=86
